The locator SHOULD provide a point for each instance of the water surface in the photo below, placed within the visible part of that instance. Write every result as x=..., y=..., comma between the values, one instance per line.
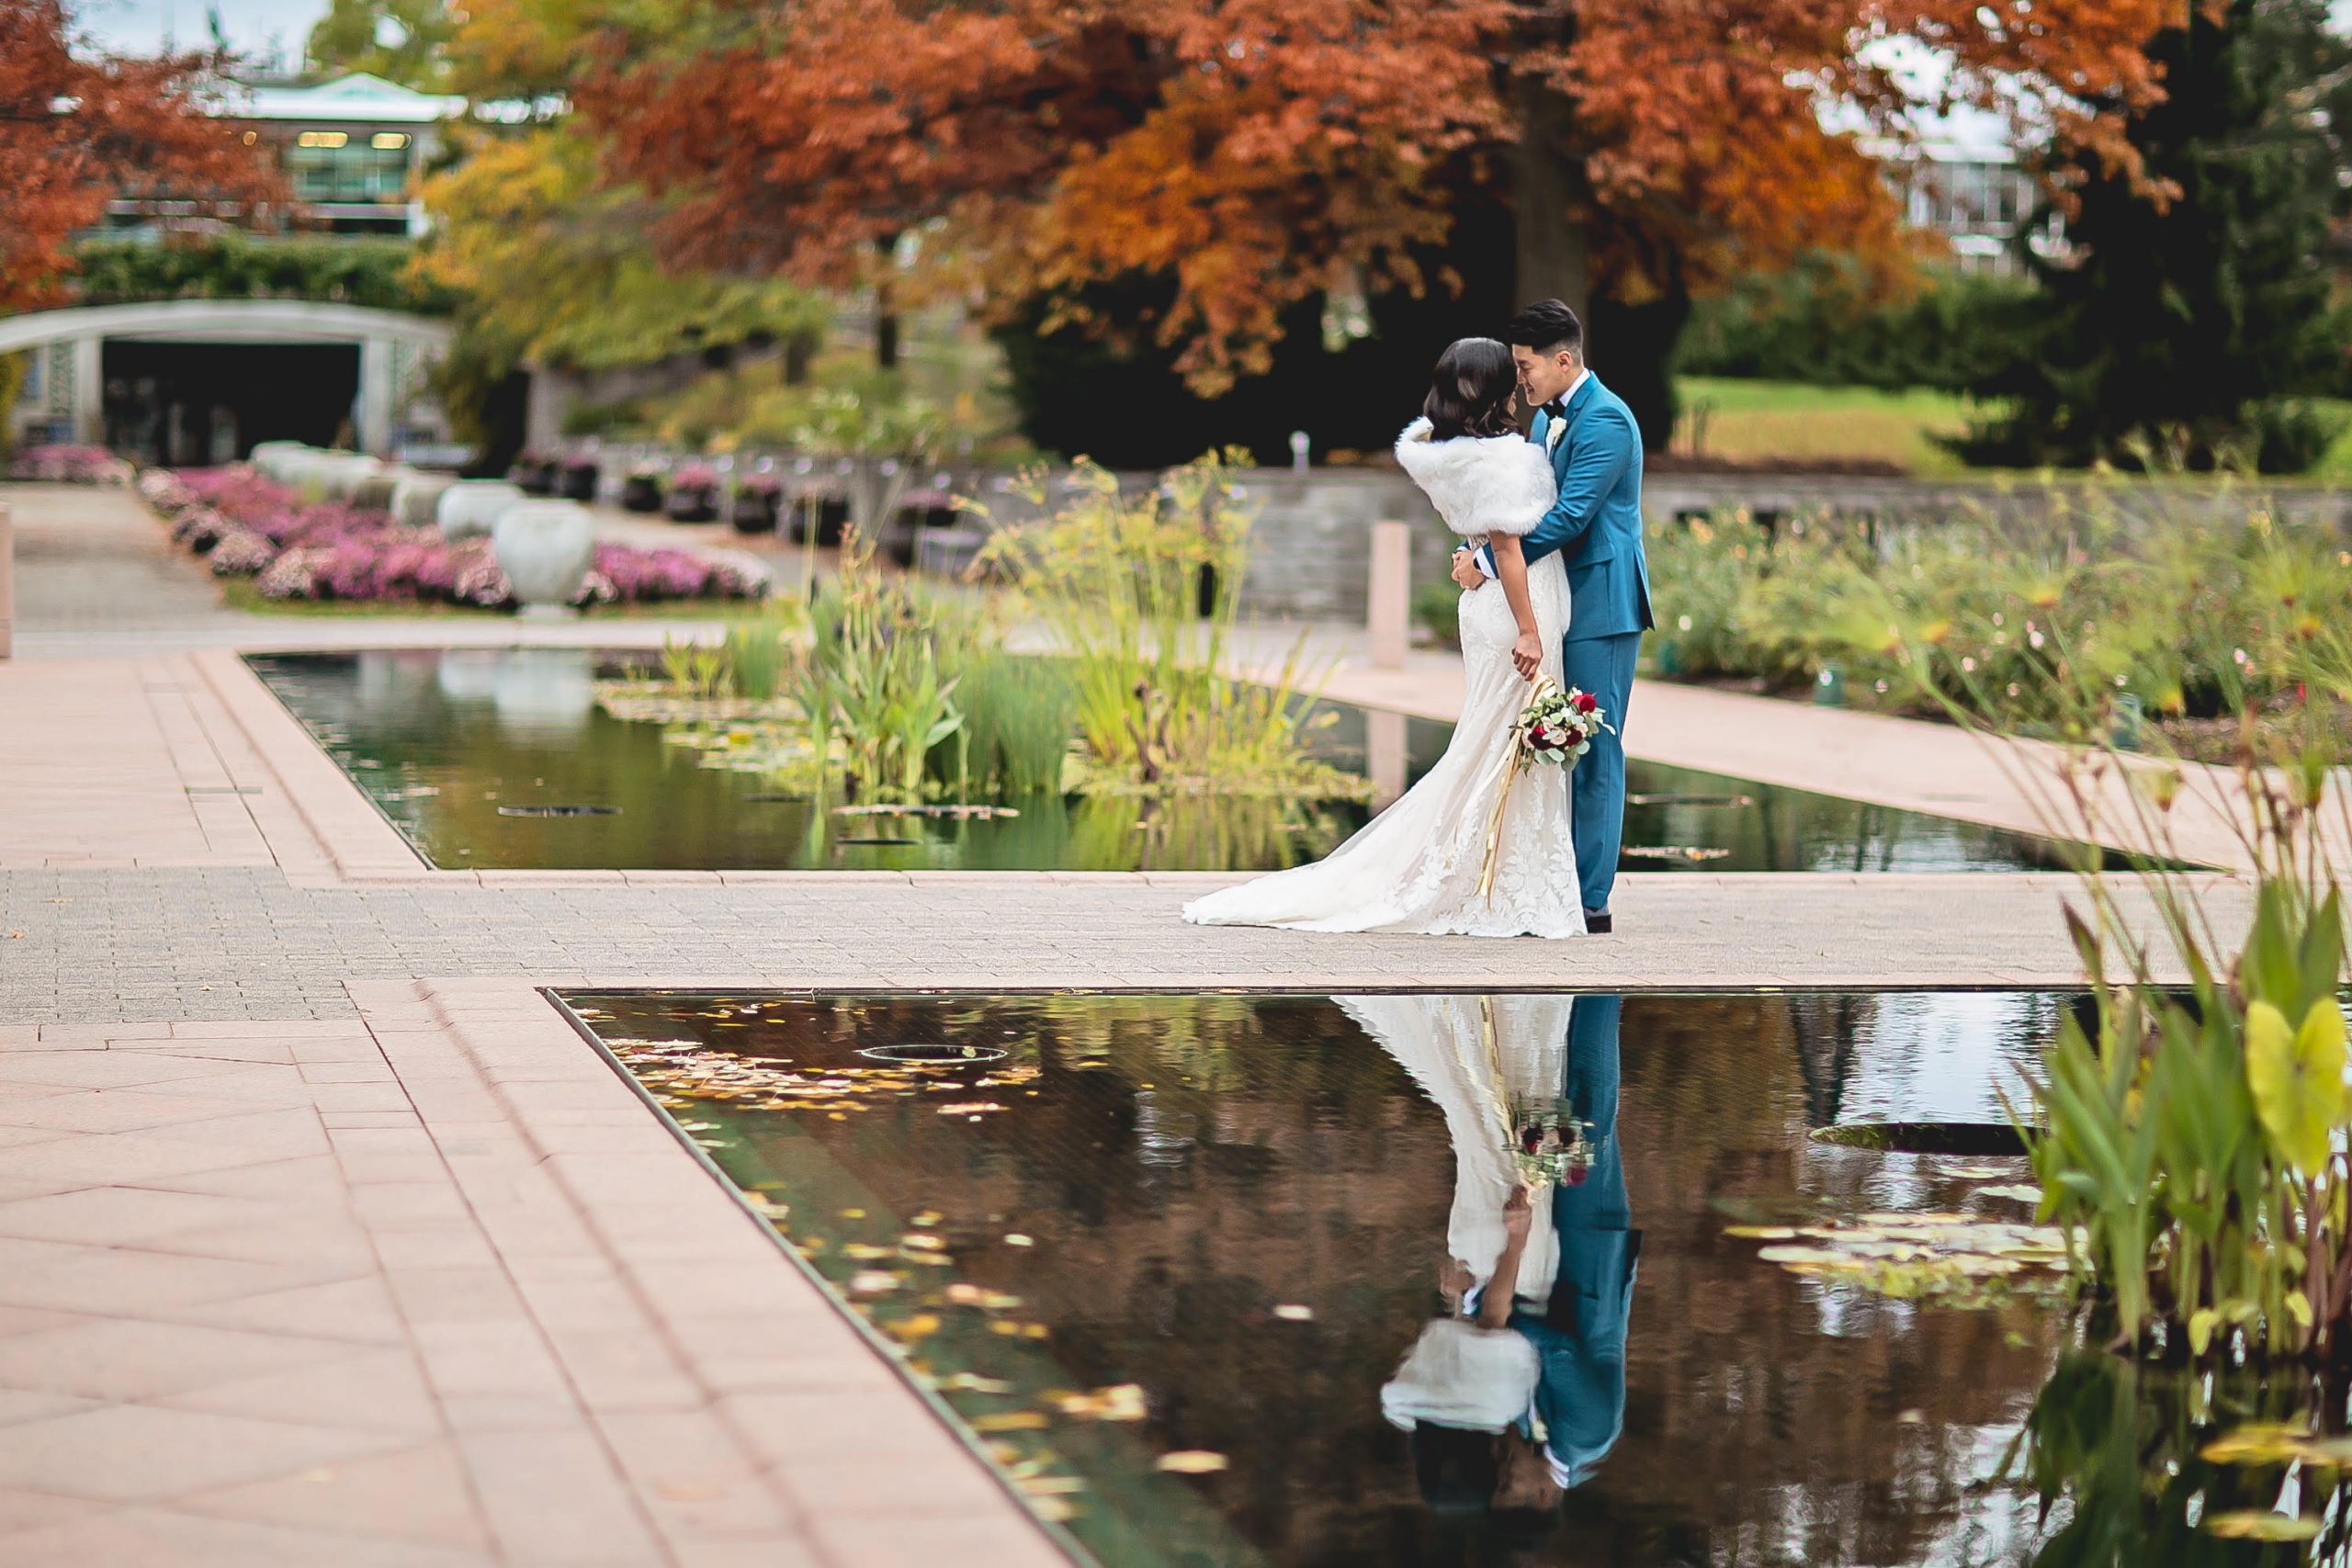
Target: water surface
x=454, y=745
x=1229, y=1219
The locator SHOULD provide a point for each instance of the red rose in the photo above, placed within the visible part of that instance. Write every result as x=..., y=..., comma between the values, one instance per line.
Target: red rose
x=1585, y=702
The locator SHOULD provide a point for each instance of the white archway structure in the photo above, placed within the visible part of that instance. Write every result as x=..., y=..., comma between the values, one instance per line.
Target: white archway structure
x=394, y=346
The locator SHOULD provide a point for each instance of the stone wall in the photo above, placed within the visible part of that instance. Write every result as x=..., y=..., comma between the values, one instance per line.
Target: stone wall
x=1310, y=553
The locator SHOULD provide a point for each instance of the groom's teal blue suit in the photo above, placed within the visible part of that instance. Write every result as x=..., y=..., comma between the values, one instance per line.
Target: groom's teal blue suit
x=1596, y=524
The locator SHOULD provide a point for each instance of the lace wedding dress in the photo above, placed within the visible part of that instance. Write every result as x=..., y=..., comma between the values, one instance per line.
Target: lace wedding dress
x=1416, y=866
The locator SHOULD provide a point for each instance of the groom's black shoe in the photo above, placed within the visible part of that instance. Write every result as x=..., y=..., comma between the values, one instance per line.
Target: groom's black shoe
x=1598, y=922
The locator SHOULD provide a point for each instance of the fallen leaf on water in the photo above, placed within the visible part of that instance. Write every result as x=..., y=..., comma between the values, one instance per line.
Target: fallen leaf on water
x=924, y=1220
x=913, y=1327
x=1010, y=1421
x=865, y=1252
x=1290, y=1312
x=921, y=1243
x=2022, y=1192
x=972, y=1382
x=1120, y=1402
x=1050, y=1485
x=1192, y=1462
x=866, y=1282
x=2251, y=1524
x=970, y=1108
x=1761, y=1233
x=1054, y=1510
x=1016, y=1239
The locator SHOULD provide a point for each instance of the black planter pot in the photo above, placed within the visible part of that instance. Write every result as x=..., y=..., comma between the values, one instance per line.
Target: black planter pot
x=832, y=516
x=753, y=512
x=577, y=482
x=534, y=477
x=692, y=503
x=641, y=492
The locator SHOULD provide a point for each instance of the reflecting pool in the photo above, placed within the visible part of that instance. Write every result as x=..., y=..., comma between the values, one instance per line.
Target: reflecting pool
x=1231, y=1280
x=486, y=758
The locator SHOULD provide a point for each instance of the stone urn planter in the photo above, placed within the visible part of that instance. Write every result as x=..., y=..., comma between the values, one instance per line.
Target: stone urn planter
x=416, y=500
x=545, y=547
x=469, y=508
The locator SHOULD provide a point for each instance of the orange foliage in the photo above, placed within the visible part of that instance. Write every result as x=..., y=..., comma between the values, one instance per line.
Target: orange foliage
x=75, y=132
x=1260, y=151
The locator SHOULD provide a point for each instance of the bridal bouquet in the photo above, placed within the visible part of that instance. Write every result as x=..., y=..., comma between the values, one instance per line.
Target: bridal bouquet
x=1558, y=727
x=1548, y=1144
x=1555, y=728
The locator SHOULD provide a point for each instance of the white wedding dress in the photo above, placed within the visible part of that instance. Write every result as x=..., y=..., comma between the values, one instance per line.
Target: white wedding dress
x=1416, y=866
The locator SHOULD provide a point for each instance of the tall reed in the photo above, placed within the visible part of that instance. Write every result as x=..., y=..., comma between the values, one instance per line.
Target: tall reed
x=1141, y=593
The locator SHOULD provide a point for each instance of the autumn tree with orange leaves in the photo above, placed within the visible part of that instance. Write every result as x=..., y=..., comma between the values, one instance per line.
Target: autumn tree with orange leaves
x=76, y=132
x=1257, y=154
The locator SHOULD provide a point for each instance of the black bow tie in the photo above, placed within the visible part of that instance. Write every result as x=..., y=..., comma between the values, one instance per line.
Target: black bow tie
x=1555, y=407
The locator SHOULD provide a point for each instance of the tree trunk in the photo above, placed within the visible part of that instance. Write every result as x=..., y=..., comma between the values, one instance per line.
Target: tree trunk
x=1550, y=201
x=886, y=304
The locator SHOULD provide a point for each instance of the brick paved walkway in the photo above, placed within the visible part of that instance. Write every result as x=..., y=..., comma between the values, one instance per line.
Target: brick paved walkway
x=323, y=1240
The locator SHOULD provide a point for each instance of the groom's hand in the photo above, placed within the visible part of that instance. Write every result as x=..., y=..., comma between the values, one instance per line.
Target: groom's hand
x=1467, y=574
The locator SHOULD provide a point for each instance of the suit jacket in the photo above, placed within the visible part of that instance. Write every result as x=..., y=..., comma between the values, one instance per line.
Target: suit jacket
x=1579, y=1336
x=1596, y=523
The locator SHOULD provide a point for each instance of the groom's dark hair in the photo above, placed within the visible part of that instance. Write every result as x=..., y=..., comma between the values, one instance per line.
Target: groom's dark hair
x=1547, y=326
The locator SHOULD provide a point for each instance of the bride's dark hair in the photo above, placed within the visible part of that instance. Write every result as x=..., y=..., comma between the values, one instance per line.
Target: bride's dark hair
x=1471, y=390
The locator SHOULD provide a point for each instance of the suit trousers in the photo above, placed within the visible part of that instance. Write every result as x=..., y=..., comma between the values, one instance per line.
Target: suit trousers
x=1603, y=666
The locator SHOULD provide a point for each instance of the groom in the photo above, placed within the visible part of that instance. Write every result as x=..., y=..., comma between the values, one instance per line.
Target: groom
x=1596, y=523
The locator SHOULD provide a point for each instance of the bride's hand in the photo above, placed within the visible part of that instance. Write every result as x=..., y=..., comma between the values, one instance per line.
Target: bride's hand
x=1526, y=655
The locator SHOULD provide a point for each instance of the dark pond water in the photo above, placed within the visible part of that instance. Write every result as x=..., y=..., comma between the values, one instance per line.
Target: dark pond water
x=463, y=749
x=1108, y=1230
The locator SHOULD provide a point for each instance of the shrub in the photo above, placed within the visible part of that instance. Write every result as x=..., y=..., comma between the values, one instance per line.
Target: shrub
x=241, y=554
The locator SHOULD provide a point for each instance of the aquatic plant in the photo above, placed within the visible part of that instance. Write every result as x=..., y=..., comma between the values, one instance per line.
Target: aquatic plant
x=874, y=681
x=2189, y=1129
x=1141, y=593
x=1018, y=717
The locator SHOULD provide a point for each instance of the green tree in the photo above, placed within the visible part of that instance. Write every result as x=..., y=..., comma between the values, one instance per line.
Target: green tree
x=401, y=40
x=2181, y=326
x=553, y=271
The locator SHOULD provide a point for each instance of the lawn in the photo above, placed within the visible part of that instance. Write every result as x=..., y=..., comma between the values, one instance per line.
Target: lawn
x=1759, y=420
x=1756, y=420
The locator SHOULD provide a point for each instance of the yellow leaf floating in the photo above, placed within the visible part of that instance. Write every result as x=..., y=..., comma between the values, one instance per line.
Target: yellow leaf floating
x=1290, y=1312
x=1010, y=1421
x=1192, y=1462
x=915, y=1327
x=1120, y=1402
x=2253, y=1524
x=1761, y=1233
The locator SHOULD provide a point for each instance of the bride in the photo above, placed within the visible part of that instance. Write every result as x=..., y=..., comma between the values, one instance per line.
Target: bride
x=1417, y=866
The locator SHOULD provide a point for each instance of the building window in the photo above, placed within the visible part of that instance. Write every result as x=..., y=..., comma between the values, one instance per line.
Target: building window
x=331, y=167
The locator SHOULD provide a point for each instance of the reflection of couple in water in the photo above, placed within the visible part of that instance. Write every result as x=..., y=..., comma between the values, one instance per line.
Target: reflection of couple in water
x=1517, y=1393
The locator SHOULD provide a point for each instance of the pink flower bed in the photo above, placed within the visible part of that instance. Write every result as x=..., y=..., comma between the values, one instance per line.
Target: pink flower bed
x=70, y=465
x=245, y=525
